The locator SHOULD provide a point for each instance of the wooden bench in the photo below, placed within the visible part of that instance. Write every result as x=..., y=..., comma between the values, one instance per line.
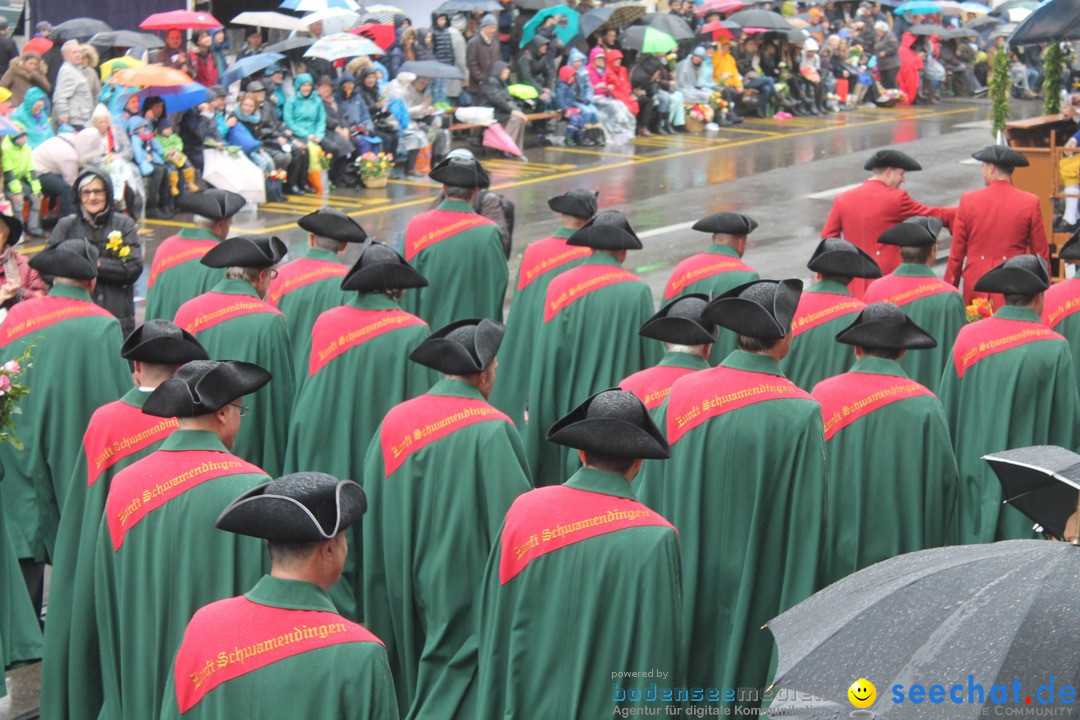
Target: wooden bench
x=531, y=117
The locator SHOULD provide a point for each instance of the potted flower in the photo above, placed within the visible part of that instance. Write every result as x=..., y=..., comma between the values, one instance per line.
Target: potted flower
x=375, y=169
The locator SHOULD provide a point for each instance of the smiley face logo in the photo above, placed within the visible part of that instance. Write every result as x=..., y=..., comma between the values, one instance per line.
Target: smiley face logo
x=862, y=693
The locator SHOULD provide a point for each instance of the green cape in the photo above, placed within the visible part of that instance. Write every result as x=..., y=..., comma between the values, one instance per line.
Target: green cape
x=467, y=274
x=549, y=635
x=304, y=304
x=768, y=516
x=426, y=536
x=171, y=564
x=815, y=354
x=353, y=679
x=1025, y=395
x=20, y=633
x=892, y=480
x=180, y=283
x=261, y=338
x=570, y=364
x=76, y=366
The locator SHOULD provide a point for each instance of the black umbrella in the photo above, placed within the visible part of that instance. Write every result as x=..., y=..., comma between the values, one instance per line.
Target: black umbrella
x=593, y=19
x=453, y=6
x=293, y=43
x=1054, y=21
x=954, y=33
x=1008, y=5
x=1042, y=481
x=926, y=29
x=673, y=25
x=537, y=4
x=432, y=69
x=79, y=29
x=126, y=39
x=982, y=22
x=764, y=19
x=978, y=615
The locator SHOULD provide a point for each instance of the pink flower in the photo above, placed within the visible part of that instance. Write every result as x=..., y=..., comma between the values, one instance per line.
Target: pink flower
x=12, y=366
x=5, y=384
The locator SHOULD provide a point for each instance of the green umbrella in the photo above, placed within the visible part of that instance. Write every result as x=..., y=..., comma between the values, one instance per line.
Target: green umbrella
x=565, y=32
x=647, y=40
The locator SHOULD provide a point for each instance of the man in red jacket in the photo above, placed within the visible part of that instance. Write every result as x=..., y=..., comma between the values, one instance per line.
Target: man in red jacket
x=862, y=214
x=994, y=224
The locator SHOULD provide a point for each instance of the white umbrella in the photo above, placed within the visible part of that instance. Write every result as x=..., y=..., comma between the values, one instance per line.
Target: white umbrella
x=334, y=20
x=275, y=20
x=384, y=13
x=235, y=174
x=342, y=45
x=313, y=5
x=1017, y=14
x=950, y=7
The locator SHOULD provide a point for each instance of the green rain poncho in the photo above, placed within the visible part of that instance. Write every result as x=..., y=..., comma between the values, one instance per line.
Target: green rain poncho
x=540, y=657
x=176, y=274
x=1059, y=314
x=76, y=367
x=892, y=474
x=118, y=435
x=824, y=310
x=354, y=368
x=932, y=304
x=329, y=668
x=588, y=342
x=161, y=560
x=745, y=486
x=1009, y=383
x=233, y=323
x=461, y=255
x=716, y=270
x=440, y=475
x=542, y=261
x=304, y=289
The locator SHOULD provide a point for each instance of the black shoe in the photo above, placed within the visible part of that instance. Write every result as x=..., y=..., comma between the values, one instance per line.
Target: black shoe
x=735, y=119
x=168, y=211
x=680, y=129
x=155, y=213
x=294, y=190
x=309, y=190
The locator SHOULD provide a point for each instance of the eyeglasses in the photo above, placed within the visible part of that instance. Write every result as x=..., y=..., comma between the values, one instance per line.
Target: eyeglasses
x=241, y=410
x=91, y=191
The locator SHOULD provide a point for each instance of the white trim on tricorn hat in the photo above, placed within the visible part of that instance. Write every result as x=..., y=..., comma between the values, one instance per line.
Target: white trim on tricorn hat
x=247, y=251
x=201, y=387
x=295, y=508
x=680, y=322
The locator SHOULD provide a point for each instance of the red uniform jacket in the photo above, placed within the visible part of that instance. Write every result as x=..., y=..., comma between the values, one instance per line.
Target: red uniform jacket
x=862, y=214
x=992, y=225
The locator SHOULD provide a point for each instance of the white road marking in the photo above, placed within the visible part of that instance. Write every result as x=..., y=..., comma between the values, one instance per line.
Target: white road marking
x=827, y=194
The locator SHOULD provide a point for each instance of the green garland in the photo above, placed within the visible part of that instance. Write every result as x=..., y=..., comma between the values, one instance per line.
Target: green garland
x=1000, y=84
x=1053, y=60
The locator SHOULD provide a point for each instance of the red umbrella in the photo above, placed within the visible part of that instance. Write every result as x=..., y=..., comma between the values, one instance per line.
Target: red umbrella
x=39, y=45
x=720, y=6
x=381, y=35
x=718, y=31
x=180, y=20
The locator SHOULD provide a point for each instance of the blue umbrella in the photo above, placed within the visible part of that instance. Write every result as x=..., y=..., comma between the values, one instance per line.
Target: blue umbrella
x=177, y=98
x=918, y=7
x=249, y=66
x=975, y=7
x=565, y=32
x=1050, y=22
x=7, y=127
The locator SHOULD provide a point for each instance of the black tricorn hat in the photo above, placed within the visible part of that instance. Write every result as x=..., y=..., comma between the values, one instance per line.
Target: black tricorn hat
x=460, y=172
x=14, y=226
x=162, y=342
x=760, y=309
x=212, y=204
x=333, y=224
x=1071, y=249
x=884, y=325
x=247, y=251
x=918, y=231
x=303, y=507
x=577, y=203
x=892, y=159
x=74, y=259
x=463, y=347
x=680, y=322
x=379, y=268
x=1019, y=275
x=613, y=423
x=201, y=387
x=834, y=256
x=609, y=230
x=728, y=223
x=1001, y=155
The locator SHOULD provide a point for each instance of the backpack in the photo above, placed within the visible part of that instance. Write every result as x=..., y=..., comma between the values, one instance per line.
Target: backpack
x=508, y=216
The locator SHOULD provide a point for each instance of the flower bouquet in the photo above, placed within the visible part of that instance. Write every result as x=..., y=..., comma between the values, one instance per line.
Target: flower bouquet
x=978, y=309
x=890, y=97
x=11, y=391
x=697, y=116
x=116, y=245
x=375, y=169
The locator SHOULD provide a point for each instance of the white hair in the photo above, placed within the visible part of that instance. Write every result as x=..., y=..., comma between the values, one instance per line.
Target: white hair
x=882, y=26
x=70, y=45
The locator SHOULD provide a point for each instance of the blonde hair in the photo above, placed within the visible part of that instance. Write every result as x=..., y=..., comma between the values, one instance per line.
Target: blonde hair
x=356, y=65
x=90, y=54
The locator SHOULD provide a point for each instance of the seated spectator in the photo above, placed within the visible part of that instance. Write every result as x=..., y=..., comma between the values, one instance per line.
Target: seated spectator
x=354, y=113
x=150, y=159
x=255, y=44
x=73, y=98
x=199, y=127
x=533, y=70
x=494, y=93
x=725, y=62
x=116, y=237
x=564, y=101
x=21, y=183
x=249, y=119
x=618, y=122
x=18, y=281
x=618, y=80
x=177, y=164
x=305, y=116
x=289, y=153
x=962, y=71
x=33, y=116
x=810, y=75
x=584, y=93
x=643, y=80
x=25, y=72
x=689, y=79
x=337, y=143
x=57, y=164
